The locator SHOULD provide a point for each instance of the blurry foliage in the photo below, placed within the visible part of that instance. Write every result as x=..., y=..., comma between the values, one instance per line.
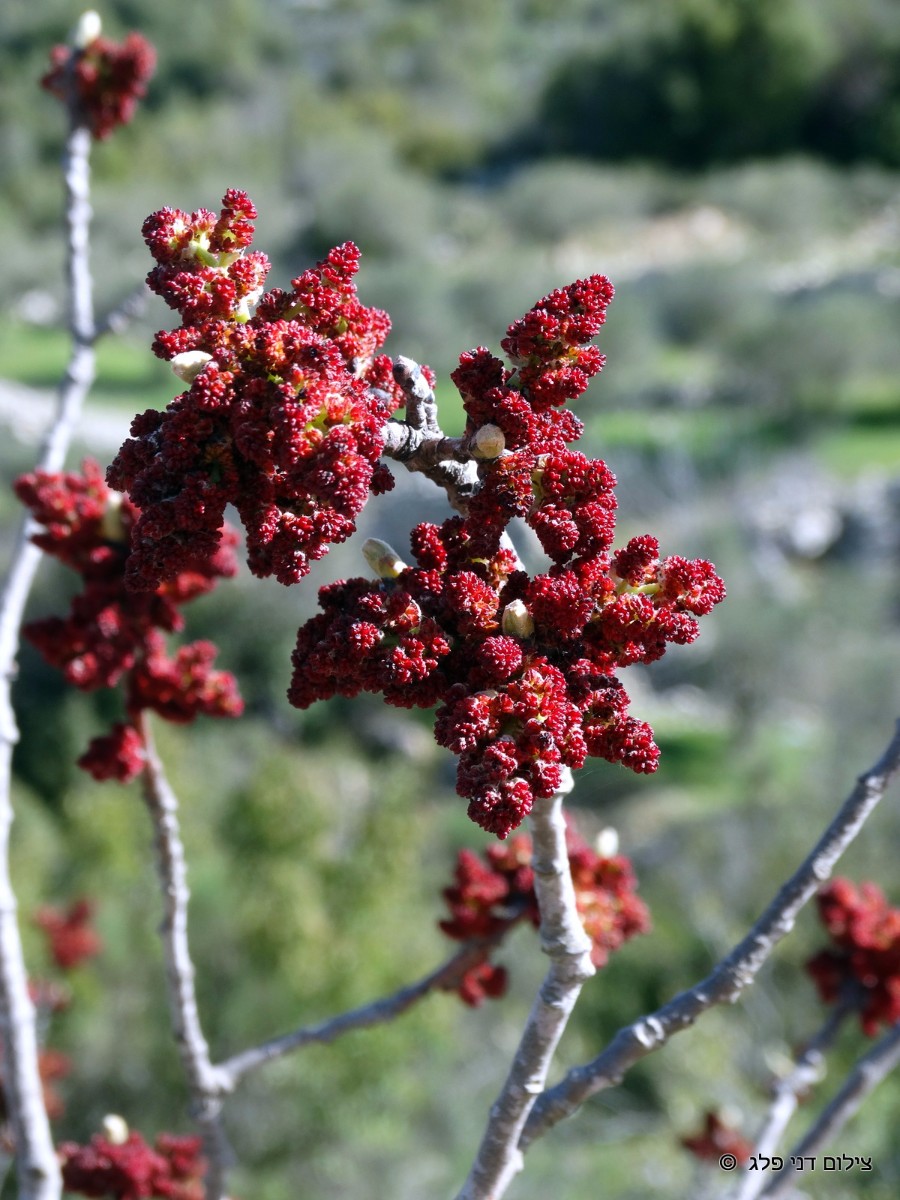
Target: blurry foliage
x=707, y=81
x=752, y=342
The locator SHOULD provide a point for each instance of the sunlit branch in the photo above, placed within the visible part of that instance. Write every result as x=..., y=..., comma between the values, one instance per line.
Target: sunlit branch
x=564, y=940
x=807, y=1070
x=38, y=1170
x=445, y=978
x=863, y=1079
x=733, y=974
x=205, y=1080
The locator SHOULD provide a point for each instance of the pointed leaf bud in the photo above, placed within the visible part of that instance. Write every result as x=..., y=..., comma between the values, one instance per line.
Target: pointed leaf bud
x=489, y=442
x=517, y=621
x=87, y=29
x=111, y=526
x=115, y=1129
x=383, y=559
x=607, y=842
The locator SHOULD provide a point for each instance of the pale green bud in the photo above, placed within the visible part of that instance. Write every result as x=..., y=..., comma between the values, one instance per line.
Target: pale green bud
x=189, y=364
x=115, y=1129
x=87, y=30
x=383, y=559
x=517, y=621
x=489, y=442
x=112, y=526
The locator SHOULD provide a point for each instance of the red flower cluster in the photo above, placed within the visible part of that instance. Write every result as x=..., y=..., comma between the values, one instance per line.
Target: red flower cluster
x=285, y=413
x=70, y=937
x=863, y=962
x=491, y=896
x=524, y=666
x=111, y=633
x=107, y=79
x=173, y=1168
x=717, y=1139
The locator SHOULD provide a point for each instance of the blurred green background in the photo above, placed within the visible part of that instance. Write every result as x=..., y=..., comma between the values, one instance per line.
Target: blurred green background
x=734, y=167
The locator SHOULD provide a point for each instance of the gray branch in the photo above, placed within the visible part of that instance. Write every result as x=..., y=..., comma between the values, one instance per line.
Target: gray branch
x=862, y=1080
x=564, y=940
x=38, y=1169
x=445, y=978
x=206, y=1082
x=808, y=1070
x=420, y=445
x=733, y=974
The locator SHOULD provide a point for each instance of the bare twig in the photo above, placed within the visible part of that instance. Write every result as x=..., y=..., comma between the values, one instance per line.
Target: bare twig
x=445, y=978
x=205, y=1081
x=808, y=1069
x=733, y=974
x=420, y=445
x=562, y=938
x=862, y=1080
x=38, y=1170
x=122, y=314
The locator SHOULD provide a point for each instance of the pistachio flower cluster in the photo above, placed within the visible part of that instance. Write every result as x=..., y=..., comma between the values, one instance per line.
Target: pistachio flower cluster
x=523, y=666
x=862, y=964
x=114, y=635
x=285, y=413
x=493, y=894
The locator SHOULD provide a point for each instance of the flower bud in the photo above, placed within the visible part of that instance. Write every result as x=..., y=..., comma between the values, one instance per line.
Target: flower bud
x=87, y=30
x=489, y=442
x=112, y=527
x=115, y=1129
x=189, y=364
x=517, y=620
x=606, y=842
x=383, y=559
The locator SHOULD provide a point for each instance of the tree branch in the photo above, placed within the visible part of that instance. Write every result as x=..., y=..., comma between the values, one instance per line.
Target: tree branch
x=808, y=1069
x=206, y=1082
x=38, y=1170
x=862, y=1080
x=420, y=445
x=733, y=974
x=569, y=948
x=445, y=978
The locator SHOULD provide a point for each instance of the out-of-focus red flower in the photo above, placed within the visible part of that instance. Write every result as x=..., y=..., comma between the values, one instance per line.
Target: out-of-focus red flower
x=71, y=937
x=113, y=634
x=493, y=894
x=863, y=962
x=716, y=1139
x=107, y=79
x=132, y=1170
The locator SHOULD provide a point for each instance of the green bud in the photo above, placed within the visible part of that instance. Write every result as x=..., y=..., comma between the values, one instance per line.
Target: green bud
x=383, y=559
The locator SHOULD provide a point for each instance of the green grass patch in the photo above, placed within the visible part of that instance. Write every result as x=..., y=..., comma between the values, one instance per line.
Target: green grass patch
x=128, y=375
x=854, y=449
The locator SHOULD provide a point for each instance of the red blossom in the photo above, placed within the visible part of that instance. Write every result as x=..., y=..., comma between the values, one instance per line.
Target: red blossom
x=285, y=413
x=71, y=938
x=493, y=894
x=132, y=1170
x=113, y=634
x=862, y=965
x=108, y=79
x=717, y=1139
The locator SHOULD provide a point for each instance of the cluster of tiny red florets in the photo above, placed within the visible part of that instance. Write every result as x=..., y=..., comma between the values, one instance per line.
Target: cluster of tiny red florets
x=862, y=965
x=524, y=666
x=107, y=79
x=284, y=417
x=717, y=1139
x=493, y=894
x=71, y=937
x=112, y=634
x=172, y=1168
